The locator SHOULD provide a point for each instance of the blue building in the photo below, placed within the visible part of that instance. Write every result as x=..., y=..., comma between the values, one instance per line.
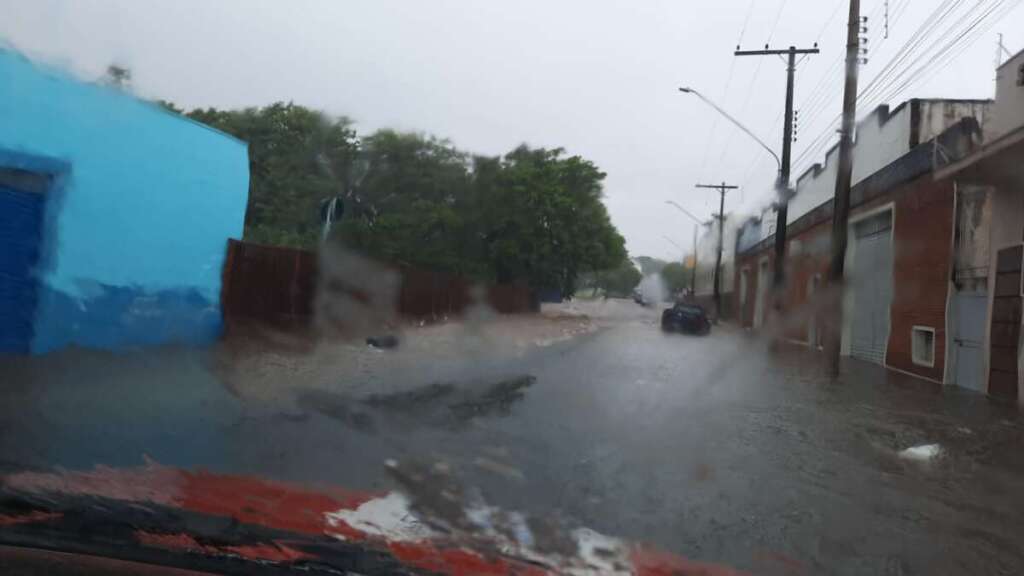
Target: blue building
x=114, y=216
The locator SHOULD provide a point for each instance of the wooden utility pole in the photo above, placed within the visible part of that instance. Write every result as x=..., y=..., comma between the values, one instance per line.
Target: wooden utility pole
x=721, y=225
x=841, y=203
x=787, y=147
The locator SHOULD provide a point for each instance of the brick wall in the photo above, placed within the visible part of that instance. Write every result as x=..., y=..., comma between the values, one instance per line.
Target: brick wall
x=744, y=313
x=922, y=257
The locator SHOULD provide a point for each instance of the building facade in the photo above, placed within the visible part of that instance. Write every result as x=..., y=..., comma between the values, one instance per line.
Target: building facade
x=990, y=243
x=900, y=257
x=117, y=214
x=707, y=254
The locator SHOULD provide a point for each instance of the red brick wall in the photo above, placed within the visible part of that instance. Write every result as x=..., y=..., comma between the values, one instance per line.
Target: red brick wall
x=812, y=257
x=922, y=245
x=745, y=314
x=922, y=256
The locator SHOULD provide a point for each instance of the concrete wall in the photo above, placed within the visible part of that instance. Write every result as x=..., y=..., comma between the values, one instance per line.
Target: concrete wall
x=883, y=136
x=1008, y=110
x=933, y=117
x=922, y=270
x=138, y=219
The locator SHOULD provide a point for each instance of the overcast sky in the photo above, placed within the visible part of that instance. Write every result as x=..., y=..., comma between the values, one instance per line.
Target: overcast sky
x=597, y=77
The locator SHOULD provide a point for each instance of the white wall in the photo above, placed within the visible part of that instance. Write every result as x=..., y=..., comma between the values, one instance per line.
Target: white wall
x=1008, y=110
x=882, y=138
x=939, y=115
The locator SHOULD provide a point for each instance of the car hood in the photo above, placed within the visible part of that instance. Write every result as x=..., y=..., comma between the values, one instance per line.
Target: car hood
x=200, y=520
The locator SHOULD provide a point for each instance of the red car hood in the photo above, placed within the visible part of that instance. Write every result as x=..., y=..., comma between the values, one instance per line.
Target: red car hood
x=238, y=524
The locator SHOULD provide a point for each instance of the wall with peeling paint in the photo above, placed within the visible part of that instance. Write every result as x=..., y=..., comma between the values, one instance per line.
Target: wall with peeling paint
x=137, y=220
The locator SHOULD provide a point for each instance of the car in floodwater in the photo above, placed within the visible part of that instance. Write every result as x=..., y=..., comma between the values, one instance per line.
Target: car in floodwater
x=687, y=318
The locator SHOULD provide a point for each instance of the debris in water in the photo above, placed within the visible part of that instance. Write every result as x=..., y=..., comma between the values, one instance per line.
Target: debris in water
x=387, y=341
x=921, y=453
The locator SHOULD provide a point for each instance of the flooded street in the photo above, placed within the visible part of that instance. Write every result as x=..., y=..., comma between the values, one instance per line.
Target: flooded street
x=709, y=447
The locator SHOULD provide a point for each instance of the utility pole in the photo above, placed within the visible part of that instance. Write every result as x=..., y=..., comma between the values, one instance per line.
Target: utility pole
x=721, y=225
x=787, y=147
x=696, y=229
x=841, y=203
x=693, y=273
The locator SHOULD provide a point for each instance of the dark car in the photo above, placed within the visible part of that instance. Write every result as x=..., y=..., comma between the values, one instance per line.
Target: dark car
x=638, y=297
x=688, y=318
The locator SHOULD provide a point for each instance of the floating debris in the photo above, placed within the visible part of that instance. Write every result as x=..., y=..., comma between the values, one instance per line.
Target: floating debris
x=922, y=453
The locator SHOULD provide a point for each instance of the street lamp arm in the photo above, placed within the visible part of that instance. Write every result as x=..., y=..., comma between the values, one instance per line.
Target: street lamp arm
x=673, y=242
x=684, y=211
x=735, y=122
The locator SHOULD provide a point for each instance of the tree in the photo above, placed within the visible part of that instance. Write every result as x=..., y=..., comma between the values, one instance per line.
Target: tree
x=118, y=77
x=411, y=205
x=547, y=223
x=619, y=281
x=297, y=159
x=534, y=215
x=676, y=277
x=170, y=106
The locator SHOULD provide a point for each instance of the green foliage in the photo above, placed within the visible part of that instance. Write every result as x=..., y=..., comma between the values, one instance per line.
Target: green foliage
x=676, y=277
x=545, y=221
x=297, y=159
x=119, y=77
x=534, y=215
x=619, y=281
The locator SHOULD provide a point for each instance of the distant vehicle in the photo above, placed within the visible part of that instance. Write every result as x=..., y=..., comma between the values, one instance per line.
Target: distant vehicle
x=638, y=297
x=689, y=318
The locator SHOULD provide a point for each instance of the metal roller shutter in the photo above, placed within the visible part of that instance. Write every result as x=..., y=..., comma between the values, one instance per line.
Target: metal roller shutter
x=872, y=283
x=21, y=216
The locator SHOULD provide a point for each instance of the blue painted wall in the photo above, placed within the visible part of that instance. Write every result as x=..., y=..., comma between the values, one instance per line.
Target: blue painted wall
x=137, y=222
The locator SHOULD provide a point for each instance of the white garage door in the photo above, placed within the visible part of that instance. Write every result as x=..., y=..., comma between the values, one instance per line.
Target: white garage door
x=872, y=288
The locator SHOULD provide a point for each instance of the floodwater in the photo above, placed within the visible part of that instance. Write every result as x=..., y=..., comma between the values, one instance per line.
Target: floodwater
x=710, y=447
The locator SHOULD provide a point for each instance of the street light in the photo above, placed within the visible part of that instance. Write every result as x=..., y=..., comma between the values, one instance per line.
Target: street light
x=737, y=123
x=674, y=243
x=781, y=186
x=693, y=273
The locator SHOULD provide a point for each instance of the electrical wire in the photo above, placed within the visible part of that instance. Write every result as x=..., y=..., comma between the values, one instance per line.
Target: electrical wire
x=921, y=35
x=725, y=91
x=960, y=35
x=955, y=47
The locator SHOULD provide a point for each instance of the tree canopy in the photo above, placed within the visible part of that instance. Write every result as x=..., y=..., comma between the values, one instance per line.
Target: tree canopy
x=676, y=277
x=533, y=215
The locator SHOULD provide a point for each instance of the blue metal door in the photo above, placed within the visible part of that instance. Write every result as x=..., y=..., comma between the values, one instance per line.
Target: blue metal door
x=21, y=218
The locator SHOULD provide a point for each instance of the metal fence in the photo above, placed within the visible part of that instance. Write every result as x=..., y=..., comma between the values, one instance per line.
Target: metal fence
x=277, y=285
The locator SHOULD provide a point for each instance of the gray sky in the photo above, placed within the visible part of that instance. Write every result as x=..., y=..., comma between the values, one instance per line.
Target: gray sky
x=597, y=77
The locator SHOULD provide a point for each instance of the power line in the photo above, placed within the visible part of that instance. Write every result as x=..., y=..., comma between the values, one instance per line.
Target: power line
x=923, y=32
x=778, y=16
x=725, y=91
x=750, y=88
x=746, y=20
x=811, y=109
x=957, y=46
x=901, y=77
x=913, y=69
x=819, y=97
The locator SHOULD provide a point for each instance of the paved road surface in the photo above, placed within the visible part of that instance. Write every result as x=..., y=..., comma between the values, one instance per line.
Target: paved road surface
x=706, y=446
